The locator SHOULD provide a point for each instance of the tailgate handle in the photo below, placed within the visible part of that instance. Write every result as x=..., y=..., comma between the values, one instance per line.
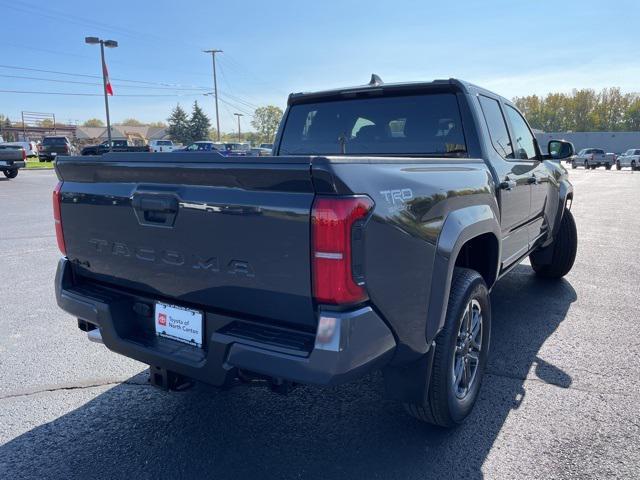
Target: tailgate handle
x=156, y=204
x=155, y=210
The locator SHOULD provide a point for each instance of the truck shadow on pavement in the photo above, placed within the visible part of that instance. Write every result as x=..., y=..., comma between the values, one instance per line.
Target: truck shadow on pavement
x=135, y=431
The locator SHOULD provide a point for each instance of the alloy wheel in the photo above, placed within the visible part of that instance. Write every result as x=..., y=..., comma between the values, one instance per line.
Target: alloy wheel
x=466, y=357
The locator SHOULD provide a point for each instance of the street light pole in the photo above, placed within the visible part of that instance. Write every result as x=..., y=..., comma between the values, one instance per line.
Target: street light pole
x=215, y=87
x=106, y=97
x=239, y=133
x=108, y=44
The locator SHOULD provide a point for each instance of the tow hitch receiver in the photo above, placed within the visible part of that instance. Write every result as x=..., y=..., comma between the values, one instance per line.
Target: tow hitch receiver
x=167, y=380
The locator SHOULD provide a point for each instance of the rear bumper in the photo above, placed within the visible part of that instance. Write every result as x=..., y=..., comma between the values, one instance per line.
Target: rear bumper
x=352, y=343
x=14, y=165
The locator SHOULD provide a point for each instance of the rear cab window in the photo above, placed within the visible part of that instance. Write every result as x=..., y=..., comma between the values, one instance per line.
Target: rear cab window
x=427, y=124
x=54, y=141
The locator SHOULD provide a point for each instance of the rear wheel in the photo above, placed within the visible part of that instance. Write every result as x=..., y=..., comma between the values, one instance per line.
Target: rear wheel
x=461, y=351
x=573, y=165
x=556, y=260
x=11, y=173
x=608, y=166
x=633, y=165
x=586, y=164
x=618, y=167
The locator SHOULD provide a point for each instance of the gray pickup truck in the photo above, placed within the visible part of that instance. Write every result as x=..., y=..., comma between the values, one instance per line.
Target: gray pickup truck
x=370, y=240
x=12, y=158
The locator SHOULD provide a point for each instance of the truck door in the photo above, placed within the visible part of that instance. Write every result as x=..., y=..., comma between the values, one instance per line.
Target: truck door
x=514, y=188
x=526, y=151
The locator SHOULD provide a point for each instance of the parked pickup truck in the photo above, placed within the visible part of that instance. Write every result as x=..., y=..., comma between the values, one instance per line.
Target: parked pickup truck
x=630, y=158
x=161, y=146
x=593, y=158
x=12, y=158
x=370, y=240
x=53, y=147
x=118, y=146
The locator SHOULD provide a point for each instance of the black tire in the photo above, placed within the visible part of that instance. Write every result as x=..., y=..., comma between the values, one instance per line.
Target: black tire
x=562, y=253
x=633, y=165
x=618, y=167
x=586, y=165
x=444, y=407
x=10, y=173
x=593, y=167
x=573, y=165
x=608, y=166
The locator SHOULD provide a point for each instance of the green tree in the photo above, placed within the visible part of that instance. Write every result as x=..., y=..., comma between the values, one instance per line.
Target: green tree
x=93, y=122
x=132, y=122
x=157, y=124
x=5, y=123
x=581, y=111
x=199, y=123
x=632, y=115
x=266, y=121
x=179, y=128
x=581, y=108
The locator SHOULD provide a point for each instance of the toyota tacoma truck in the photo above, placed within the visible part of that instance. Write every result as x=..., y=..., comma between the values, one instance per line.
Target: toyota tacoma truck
x=12, y=159
x=369, y=241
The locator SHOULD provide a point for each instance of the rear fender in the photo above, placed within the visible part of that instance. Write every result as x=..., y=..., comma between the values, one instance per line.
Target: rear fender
x=406, y=382
x=459, y=227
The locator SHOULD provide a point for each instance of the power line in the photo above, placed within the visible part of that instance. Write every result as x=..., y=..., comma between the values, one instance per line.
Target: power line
x=85, y=75
x=238, y=99
x=237, y=107
x=56, y=80
x=67, y=17
x=75, y=94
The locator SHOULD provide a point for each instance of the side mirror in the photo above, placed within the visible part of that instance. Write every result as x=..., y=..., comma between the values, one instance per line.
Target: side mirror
x=560, y=149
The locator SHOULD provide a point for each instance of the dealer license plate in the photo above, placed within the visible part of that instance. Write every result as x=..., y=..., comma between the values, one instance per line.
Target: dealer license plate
x=179, y=323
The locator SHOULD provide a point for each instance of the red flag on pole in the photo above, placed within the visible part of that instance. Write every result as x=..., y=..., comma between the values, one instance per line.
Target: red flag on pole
x=106, y=78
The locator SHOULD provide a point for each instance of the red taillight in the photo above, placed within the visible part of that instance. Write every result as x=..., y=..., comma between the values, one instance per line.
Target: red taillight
x=57, y=198
x=333, y=236
x=24, y=154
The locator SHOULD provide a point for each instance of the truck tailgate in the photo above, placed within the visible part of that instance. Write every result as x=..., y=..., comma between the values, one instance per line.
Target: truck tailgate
x=194, y=229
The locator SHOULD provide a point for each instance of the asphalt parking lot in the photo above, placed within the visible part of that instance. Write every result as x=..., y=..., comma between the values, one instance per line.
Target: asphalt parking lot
x=560, y=399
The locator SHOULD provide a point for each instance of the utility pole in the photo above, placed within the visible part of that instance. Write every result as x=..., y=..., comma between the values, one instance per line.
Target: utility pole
x=239, y=133
x=215, y=86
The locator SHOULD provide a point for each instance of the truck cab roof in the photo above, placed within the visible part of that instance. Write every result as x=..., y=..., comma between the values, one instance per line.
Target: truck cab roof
x=377, y=86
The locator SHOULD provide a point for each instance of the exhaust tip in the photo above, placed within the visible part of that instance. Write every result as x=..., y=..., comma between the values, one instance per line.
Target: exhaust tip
x=95, y=336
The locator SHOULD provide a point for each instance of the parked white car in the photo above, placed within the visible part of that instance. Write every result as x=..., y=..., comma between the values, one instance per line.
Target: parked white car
x=161, y=145
x=630, y=158
x=30, y=147
x=593, y=158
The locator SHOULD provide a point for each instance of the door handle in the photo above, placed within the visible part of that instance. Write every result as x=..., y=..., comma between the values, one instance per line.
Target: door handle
x=508, y=185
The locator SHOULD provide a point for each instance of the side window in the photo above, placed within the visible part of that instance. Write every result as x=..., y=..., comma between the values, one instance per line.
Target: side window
x=525, y=145
x=497, y=126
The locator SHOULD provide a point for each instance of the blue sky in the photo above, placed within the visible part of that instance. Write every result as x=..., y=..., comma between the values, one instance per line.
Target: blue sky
x=276, y=47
